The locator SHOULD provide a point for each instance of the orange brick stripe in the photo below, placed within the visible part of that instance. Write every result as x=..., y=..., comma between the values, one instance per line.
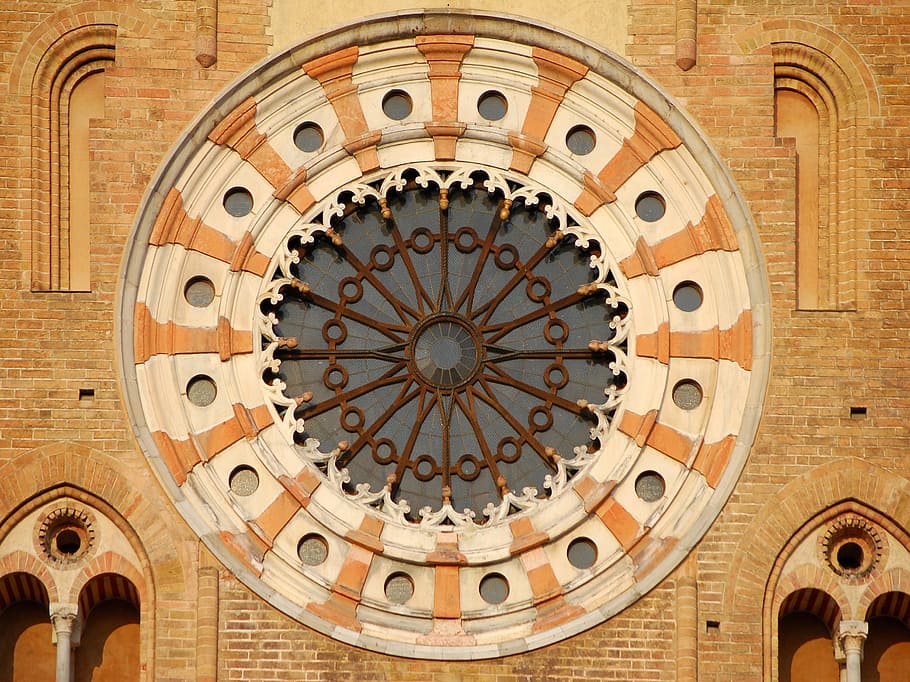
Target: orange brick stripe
x=341, y=606
x=238, y=131
x=335, y=74
x=615, y=517
x=447, y=552
x=174, y=226
x=651, y=136
x=525, y=537
x=659, y=436
x=302, y=487
x=247, y=548
x=556, y=74
x=619, y=522
x=542, y=579
x=446, y=593
x=734, y=344
x=181, y=455
x=167, y=338
x=650, y=551
x=712, y=459
x=714, y=232
x=367, y=536
x=296, y=192
x=556, y=612
x=447, y=588
x=270, y=522
x=444, y=55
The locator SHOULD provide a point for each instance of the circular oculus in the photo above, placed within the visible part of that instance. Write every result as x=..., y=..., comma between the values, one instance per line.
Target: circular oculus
x=441, y=349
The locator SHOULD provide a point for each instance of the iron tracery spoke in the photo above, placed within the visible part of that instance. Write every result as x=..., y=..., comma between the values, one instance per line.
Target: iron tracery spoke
x=523, y=272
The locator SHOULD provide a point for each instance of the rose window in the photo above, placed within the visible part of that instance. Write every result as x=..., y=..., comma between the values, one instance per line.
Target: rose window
x=455, y=333
x=449, y=340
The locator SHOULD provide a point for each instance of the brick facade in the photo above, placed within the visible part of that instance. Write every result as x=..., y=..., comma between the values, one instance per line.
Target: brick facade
x=832, y=437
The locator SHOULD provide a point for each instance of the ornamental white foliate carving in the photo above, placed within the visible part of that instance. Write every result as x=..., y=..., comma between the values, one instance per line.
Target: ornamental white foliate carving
x=512, y=192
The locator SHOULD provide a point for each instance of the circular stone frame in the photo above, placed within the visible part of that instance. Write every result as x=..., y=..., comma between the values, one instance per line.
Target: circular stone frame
x=246, y=139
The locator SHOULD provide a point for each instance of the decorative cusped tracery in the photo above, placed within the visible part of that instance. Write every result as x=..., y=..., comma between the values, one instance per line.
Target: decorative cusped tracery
x=461, y=334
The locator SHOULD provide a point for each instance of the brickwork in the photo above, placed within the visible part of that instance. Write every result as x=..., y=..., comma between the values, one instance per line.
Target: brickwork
x=63, y=424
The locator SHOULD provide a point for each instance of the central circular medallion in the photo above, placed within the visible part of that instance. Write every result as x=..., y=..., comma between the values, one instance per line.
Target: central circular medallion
x=445, y=351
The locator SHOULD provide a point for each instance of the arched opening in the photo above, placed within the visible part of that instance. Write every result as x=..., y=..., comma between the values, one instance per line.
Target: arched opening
x=806, y=650
x=887, y=649
x=86, y=102
x=67, y=94
x=109, y=649
x=26, y=648
x=797, y=118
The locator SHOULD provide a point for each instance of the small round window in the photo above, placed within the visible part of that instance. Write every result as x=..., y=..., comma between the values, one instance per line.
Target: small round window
x=581, y=140
x=492, y=105
x=397, y=105
x=688, y=297
x=650, y=207
x=238, y=202
x=308, y=137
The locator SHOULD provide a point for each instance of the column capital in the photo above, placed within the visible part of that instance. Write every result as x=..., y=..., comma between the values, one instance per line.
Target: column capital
x=851, y=635
x=64, y=616
x=853, y=628
x=63, y=611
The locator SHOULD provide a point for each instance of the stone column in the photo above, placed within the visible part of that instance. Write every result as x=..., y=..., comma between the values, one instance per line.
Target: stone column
x=687, y=621
x=206, y=32
x=65, y=619
x=852, y=635
x=207, y=625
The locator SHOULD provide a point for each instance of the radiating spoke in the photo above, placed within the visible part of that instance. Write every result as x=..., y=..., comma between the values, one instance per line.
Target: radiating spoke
x=500, y=329
x=519, y=428
x=395, y=332
x=423, y=411
x=524, y=272
x=389, y=378
x=405, y=312
x=467, y=296
x=500, y=377
x=401, y=248
x=401, y=400
x=479, y=434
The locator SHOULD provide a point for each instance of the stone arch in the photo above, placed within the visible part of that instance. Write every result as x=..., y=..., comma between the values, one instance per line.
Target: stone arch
x=25, y=622
x=809, y=577
x=816, y=600
x=121, y=15
x=826, y=53
x=112, y=614
x=798, y=509
x=22, y=562
x=831, y=74
x=56, y=58
x=73, y=470
x=893, y=581
x=851, y=482
x=111, y=563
